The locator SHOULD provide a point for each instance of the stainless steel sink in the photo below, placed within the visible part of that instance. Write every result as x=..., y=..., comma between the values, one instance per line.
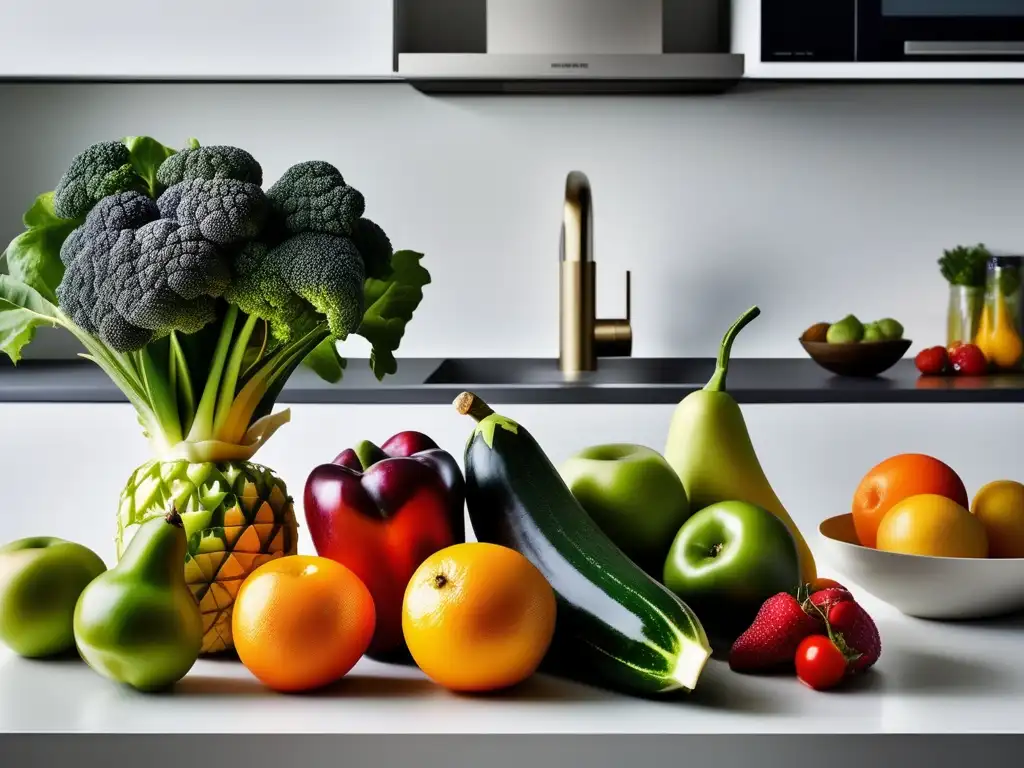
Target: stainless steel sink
x=498, y=372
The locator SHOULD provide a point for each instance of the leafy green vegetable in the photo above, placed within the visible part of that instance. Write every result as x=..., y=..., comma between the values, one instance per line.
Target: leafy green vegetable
x=33, y=257
x=198, y=294
x=390, y=304
x=965, y=265
x=147, y=155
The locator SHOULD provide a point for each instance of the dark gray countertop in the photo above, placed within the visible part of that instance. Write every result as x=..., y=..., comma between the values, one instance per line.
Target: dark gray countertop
x=751, y=380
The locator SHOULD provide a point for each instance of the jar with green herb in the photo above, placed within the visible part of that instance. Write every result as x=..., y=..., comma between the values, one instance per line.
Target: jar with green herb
x=964, y=268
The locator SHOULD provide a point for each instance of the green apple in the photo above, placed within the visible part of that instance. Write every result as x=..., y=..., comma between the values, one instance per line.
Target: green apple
x=726, y=561
x=41, y=580
x=633, y=495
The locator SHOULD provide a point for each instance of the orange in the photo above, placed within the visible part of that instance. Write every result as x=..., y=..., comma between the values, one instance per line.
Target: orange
x=302, y=622
x=478, y=617
x=898, y=478
x=934, y=526
x=999, y=506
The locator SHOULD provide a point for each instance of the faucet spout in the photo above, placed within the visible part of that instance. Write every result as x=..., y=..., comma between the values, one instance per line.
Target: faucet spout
x=582, y=336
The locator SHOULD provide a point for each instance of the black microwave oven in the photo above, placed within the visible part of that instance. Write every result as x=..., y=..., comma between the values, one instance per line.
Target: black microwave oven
x=892, y=30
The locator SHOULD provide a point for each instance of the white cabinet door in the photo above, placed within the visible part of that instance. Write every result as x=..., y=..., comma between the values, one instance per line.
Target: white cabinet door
x=185, y=39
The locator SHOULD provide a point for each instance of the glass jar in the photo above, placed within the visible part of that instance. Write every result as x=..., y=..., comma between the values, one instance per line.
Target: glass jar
x=963, y=317
x=1000, y=332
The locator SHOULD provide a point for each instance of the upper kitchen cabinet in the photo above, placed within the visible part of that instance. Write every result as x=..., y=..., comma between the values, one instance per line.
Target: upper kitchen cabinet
x=880, y=39
x=193, y=39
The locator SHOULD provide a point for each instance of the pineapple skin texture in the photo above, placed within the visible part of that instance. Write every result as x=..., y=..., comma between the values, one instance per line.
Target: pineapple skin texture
x=237, y=515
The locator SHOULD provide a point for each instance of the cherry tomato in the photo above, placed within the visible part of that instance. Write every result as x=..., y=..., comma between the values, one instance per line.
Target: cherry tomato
x=819, y=663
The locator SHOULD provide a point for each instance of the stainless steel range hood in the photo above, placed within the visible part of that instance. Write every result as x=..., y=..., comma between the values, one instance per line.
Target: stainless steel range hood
x=565, y=46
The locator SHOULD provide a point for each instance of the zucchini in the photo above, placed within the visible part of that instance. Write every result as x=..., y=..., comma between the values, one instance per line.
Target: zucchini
x=617, y=627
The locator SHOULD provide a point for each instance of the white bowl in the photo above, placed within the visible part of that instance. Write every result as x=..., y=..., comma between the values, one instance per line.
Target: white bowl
x=925, y=587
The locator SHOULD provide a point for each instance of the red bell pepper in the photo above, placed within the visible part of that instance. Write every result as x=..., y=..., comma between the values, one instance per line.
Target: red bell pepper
x=381, y=512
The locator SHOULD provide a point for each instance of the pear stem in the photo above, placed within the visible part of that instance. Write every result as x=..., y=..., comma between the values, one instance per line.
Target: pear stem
x=717, y=382
x=469, y=404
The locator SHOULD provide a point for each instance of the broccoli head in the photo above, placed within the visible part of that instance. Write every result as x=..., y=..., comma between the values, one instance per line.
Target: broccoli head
x=102, y=170
x=375, y=248
x=328, y=272
x=225, y=211
x=208, y=163
x=131, y=276
x=313, y=197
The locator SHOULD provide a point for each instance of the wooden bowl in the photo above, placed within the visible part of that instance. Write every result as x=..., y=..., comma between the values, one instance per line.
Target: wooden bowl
x=950, y=588
x=863, y=359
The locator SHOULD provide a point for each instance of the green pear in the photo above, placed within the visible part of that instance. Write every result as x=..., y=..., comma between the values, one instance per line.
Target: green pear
x=138, y=623
x=891, y=329
x=633, y=495
x=849, y=330
x=41, y=579
x=710, y=449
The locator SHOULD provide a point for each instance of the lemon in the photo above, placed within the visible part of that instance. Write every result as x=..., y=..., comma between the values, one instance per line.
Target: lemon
x=934, y=526
x=1000, y=508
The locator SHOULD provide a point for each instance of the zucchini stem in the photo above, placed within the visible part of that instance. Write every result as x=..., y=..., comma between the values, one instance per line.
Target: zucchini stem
x=469, y=404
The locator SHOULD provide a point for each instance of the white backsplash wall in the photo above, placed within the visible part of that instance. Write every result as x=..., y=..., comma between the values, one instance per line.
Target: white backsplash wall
x=811, y=201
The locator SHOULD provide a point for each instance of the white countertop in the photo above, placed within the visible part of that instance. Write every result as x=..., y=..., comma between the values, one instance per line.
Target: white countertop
x=931, y=678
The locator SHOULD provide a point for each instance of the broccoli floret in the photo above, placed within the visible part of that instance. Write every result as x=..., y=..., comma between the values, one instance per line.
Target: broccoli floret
x=328, y=272
x=132, y=276
x=313, y=197
x=210, y=163
x=174, y=275
x=101, y=170
x=258, y=289
x=375, y=248
x=226, y=211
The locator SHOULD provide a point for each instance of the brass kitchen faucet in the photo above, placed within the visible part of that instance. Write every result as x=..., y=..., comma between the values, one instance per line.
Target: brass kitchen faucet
x=583, y=337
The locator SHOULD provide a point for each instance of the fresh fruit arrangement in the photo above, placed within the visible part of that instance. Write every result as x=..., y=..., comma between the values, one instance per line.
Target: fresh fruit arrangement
x=819, y=631
x=199, y=293
x=850, y=330
x=622, y=569
x=917, y=505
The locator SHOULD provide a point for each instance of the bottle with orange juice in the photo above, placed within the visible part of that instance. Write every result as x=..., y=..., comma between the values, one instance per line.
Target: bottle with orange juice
x=1000, y=333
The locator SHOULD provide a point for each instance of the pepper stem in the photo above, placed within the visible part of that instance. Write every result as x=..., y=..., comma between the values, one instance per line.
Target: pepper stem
x=469, y=404
x=717, y=382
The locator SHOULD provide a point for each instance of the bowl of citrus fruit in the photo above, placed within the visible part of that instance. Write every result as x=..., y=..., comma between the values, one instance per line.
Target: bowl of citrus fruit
x=916, y=540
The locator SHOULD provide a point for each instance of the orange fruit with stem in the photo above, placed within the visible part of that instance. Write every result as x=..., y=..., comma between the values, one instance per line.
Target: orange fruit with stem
x=302, y=622
x=478, y=617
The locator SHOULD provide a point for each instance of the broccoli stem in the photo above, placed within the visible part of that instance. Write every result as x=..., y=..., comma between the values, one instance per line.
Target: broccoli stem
x=249, y=399
x=229, y=381
x=181, y=382
x=202, y=424
x=162, y=398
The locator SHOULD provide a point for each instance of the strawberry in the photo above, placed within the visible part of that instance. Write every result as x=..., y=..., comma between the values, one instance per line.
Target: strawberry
x=932, y=361
x=859, y=632
x=771, y=641
x=825, y=599
x=969, y=360
x=822, y=583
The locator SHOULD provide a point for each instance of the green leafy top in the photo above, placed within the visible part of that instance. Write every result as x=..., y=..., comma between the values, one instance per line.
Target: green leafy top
x=965, y=265
x=195, y=295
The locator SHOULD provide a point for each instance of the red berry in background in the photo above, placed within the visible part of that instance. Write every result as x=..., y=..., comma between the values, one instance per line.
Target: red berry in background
x=969, y=360
x=932, y=361
x=819, y=663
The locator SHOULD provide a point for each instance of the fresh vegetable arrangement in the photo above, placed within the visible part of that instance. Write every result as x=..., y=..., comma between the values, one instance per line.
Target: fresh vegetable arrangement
x=199, y=293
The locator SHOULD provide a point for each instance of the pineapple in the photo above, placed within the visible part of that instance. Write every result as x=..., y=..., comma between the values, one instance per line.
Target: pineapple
x=237, y=515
